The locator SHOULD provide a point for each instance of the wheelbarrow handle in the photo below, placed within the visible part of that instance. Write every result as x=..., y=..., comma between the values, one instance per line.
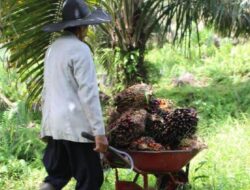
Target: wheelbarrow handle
x=113, y=150
x=88, y=136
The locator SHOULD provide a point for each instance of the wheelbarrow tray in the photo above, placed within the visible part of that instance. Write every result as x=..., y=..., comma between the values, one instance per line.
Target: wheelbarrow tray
x=156, y=162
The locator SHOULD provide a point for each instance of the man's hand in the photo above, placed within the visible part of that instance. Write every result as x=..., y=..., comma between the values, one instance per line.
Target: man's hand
x=101, y=144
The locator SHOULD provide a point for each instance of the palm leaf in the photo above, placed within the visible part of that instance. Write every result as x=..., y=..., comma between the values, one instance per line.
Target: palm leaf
x=24, y=39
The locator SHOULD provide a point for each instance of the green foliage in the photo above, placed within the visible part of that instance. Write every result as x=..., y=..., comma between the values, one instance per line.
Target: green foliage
x=222, y=78
x=9, y=86
x=20, y=147
x=25, y=40
x=135, y=21
x=19, y=136
x=13, y=169
x=120, y=66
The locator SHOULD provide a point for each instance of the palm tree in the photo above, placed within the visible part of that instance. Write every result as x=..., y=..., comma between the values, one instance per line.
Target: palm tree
x=136, y=20
x=133, y=23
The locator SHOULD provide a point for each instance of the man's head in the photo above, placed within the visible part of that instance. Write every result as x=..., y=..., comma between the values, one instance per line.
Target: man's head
x=76, y=13
x=79, y=31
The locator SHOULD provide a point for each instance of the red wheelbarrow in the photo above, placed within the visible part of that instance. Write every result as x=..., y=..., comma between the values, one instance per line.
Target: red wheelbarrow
x=171, y=168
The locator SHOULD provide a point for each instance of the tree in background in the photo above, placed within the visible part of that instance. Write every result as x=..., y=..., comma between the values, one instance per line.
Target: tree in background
x=133, y=23
x=136, y=20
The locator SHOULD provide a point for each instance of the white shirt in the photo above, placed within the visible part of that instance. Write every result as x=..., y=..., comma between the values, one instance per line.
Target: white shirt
x=70, y=95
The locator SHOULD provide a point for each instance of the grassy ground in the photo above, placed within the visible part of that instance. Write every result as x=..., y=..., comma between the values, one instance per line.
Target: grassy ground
x=221, y=95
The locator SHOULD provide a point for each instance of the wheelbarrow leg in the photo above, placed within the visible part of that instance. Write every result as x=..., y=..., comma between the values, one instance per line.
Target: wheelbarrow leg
x=136, y=177
x=166, y=182
x=145, y=181
x=126, y=185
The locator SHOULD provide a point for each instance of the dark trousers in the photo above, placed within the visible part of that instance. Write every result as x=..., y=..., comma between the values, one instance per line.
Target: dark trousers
x=64, y=160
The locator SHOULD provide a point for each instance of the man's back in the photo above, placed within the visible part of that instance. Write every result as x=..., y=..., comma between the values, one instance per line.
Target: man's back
x=69, y=69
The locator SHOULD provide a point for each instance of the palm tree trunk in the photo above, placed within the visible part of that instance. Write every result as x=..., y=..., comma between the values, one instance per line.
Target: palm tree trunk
x=139, y=74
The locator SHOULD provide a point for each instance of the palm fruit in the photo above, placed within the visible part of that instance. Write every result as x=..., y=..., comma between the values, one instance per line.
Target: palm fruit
x=127, y=128
x=113, y=115
x=181, y=123
x=193, y=143
x=155, y=127
x=165, y=105
x=160, y=106
x=135, y=97
x=146, y=144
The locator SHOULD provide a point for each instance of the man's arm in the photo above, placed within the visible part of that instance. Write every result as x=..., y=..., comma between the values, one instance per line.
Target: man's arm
x=85, y=75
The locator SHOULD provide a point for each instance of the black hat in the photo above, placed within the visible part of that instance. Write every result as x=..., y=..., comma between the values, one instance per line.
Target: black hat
x=77, y=13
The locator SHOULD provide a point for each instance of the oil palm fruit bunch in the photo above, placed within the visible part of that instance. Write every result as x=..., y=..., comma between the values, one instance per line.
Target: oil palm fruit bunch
x=165, y=104
x=181, y=123
x=193, y=142
x=136, y=97
x=156, y=127
x=146, y=144
x=113, y=115
x=153, y=106
x=160, y=106
x=130, y=126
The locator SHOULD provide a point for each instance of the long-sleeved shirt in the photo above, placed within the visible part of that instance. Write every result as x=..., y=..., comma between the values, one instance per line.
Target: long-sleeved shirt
x=70, y=97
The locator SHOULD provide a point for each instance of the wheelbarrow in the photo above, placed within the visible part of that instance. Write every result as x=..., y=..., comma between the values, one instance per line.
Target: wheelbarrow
x=171, y=168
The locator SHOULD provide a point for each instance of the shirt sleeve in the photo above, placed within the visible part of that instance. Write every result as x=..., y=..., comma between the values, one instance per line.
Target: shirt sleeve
x=85, y=75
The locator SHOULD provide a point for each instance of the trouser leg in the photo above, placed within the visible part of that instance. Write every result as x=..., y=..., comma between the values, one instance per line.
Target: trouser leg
x=57, y=165
x=85, y=165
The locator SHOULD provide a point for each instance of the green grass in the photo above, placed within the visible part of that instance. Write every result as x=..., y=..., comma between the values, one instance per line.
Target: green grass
x=222, y=98
x=227, y=159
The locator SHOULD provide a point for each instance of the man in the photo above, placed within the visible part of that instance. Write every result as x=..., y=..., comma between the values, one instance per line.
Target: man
x=71, y=103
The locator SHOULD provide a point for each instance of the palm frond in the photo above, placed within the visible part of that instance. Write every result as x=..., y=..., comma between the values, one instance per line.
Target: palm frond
x=22, y=36
x=135, y=21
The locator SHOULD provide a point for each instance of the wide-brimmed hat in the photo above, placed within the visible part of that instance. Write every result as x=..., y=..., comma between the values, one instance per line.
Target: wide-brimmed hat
x=76, y=13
